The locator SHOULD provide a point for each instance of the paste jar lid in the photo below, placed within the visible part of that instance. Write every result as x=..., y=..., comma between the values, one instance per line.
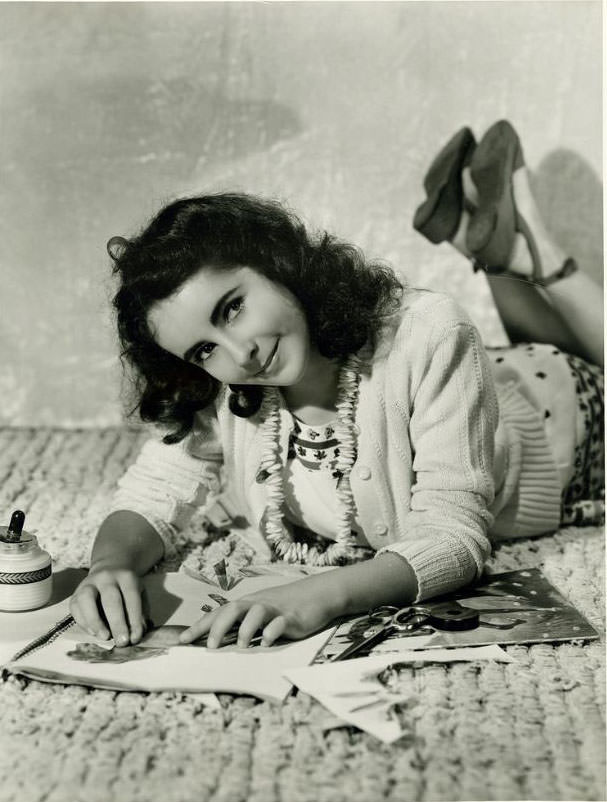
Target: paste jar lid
x=26, y=542
x=13, y=540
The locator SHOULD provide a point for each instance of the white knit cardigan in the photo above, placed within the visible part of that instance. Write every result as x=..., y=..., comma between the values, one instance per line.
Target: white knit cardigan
x=436, y=469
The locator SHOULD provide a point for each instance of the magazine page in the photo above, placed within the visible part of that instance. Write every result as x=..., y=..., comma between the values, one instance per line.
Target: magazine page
x=512, y=607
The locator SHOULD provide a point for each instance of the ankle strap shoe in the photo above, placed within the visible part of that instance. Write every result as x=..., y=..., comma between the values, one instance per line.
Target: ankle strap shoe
x=492, y=229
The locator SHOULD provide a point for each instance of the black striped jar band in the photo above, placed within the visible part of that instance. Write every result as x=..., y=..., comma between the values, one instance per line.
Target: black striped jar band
x=25, y=577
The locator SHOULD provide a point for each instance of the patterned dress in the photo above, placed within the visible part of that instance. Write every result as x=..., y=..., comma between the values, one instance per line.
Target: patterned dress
x=568, y=393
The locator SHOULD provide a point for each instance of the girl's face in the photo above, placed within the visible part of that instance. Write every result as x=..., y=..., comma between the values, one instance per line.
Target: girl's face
x=237, y=325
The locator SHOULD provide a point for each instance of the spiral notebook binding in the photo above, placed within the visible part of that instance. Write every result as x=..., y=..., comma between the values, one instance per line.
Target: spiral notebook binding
x=48, y=637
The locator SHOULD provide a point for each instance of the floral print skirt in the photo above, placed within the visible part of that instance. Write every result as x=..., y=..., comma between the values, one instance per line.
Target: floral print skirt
x=584, y=497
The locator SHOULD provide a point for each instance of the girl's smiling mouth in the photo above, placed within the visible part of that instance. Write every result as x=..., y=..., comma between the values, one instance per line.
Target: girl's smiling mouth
x=268, y=362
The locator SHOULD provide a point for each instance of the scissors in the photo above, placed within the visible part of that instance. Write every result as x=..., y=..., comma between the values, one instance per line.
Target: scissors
x=445, y=616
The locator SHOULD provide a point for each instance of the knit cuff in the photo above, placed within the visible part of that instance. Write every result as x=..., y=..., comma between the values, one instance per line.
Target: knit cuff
x=440, y=564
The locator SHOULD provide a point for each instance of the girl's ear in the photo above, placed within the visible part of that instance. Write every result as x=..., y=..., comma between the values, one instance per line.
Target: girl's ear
x=245, y=399
x=116, y=247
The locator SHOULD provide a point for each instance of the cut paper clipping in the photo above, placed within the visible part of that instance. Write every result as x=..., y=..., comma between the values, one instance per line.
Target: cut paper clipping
x=375, y=694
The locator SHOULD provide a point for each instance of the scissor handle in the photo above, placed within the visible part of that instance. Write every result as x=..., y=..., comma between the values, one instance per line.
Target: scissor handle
x=385, y=611
x=449, y=616
x=440, y=616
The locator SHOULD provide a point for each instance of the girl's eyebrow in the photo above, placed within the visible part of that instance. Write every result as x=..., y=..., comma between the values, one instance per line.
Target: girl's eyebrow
x=214, y=318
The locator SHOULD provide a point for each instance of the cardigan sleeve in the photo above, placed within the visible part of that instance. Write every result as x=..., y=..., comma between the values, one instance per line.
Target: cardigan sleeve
x=167, y=483
x=454, y=416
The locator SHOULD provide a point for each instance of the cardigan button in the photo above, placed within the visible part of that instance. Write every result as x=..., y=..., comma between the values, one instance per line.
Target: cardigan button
x=364, y=472
x=380, y=529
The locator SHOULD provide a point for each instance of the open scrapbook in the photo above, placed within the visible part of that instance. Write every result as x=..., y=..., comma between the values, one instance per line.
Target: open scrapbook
x=66, y=653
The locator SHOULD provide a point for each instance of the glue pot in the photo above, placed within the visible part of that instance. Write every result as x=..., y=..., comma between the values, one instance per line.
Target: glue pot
x=26, y=580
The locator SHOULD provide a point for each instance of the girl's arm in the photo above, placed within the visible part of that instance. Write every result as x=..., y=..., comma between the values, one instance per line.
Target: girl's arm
x=126, y=540
x=306, y=606
x=126, y=548
x=451, y=429
x=154, y=500
x=167, y=483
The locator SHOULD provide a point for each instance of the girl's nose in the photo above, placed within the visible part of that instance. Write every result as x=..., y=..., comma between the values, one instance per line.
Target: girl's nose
x=245, y=354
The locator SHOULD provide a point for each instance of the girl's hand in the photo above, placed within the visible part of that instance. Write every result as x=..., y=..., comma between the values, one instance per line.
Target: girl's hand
x=115, y=594
x=289, y=611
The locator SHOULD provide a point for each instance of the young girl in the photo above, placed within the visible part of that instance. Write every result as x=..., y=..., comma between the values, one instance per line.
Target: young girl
x=348, y=415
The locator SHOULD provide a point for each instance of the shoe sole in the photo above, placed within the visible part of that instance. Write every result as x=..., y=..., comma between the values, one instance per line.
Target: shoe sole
x=437, y=218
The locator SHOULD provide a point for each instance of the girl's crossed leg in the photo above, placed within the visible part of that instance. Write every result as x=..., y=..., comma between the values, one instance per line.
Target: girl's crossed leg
x=479, y=199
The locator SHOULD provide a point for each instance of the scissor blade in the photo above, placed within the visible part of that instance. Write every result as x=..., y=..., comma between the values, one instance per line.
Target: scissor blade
x=364, y=645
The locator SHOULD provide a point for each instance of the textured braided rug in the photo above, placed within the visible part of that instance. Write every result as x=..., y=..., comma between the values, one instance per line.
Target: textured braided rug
x=534, y=729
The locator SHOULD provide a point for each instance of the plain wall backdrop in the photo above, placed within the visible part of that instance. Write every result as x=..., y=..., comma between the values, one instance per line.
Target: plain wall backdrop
x=108, y=110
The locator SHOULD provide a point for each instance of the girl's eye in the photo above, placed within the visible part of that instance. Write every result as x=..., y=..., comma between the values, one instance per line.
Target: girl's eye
x=204, y=352
x=232, y=309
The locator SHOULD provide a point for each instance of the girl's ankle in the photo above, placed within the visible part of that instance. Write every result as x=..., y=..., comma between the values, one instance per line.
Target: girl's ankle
x=521, y=261
x=459, y=240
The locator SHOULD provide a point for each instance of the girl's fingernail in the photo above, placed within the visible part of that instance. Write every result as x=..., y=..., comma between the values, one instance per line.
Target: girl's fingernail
x=211, y=643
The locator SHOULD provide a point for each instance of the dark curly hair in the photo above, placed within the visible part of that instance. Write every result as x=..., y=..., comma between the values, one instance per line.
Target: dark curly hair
x=345, y=298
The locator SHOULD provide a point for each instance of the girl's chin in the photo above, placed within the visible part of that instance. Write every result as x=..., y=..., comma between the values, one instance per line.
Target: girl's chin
x=288, y=375
x=288, y=378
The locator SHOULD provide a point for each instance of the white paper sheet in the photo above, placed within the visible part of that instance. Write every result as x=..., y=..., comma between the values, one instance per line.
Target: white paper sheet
x=257, y=671
x=344, y=686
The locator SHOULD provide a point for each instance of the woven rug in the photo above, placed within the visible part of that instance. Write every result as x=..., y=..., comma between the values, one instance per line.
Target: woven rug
x=533, y=729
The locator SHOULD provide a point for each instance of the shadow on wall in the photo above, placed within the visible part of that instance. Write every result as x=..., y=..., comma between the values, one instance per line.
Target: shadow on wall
x=570, y=197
